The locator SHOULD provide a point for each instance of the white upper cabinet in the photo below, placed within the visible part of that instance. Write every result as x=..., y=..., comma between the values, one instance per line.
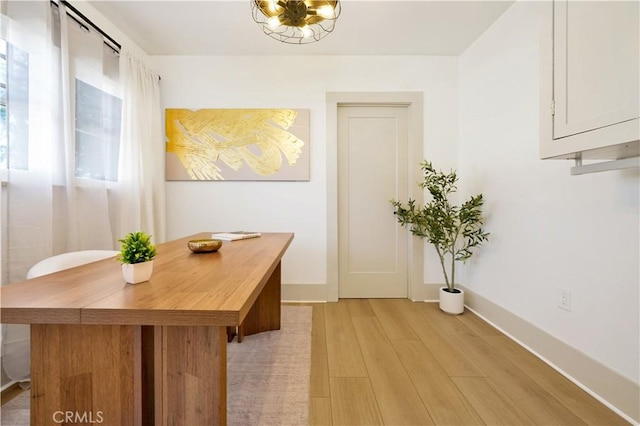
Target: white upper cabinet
x=590, y=80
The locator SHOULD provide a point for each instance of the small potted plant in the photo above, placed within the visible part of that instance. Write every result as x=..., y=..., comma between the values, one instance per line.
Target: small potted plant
x=454, y=231
x=136, y=254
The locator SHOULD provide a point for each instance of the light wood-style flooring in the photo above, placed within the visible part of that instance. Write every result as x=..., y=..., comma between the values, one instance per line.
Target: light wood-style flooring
x=394, y=362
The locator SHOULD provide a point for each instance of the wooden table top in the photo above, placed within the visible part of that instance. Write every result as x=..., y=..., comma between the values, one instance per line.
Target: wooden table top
x=186, y=288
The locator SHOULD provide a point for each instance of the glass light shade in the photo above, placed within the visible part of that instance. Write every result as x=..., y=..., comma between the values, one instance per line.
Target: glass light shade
x=296, y=21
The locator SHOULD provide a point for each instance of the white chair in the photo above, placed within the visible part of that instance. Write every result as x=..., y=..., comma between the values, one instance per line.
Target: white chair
x=68, y=260
x=16, y=337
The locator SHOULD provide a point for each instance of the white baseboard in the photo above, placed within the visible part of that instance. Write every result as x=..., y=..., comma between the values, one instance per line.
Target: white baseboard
x=302, y=293
x=319, y=293
x=431, y=292
x=7, y=385
x=611, y=388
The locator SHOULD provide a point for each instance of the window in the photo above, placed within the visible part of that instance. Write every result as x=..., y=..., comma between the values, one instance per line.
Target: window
x=97, y=121
x=3, y=104
x=14, y=107
x=97, y=133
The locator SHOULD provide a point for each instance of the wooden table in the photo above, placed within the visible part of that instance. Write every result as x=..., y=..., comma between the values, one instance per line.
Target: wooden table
x=108, y=352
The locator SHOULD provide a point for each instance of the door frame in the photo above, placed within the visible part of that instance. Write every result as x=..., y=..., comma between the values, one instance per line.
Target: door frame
x=414, y=103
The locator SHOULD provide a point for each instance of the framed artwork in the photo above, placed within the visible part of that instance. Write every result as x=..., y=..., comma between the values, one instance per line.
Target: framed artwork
x=237, y=144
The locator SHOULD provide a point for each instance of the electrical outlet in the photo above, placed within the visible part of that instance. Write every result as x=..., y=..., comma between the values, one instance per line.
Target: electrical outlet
x=565, y=299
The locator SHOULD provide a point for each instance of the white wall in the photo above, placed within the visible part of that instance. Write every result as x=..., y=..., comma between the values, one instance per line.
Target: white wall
x=549, y=230
x=108, y=27
x=294, y=82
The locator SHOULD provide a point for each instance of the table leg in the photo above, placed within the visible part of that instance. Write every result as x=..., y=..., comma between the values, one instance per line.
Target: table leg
x=85, y=374
x=193, y=377
x=264, y=315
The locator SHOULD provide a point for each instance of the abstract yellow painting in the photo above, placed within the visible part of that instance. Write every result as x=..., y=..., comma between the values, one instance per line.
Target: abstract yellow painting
x=237, y=144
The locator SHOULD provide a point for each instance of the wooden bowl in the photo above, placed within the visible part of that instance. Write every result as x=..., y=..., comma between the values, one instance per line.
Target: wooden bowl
x=204, y=246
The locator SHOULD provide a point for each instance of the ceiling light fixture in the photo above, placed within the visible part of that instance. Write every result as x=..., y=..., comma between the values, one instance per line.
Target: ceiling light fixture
x=296, y=21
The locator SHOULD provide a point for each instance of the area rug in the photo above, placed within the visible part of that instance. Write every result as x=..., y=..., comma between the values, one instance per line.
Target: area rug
x=267, y=377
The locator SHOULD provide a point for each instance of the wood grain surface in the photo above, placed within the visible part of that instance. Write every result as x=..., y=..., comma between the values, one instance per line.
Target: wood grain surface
x=186, y=288
x=92, y=372
x=464, y=371
x=150, y=353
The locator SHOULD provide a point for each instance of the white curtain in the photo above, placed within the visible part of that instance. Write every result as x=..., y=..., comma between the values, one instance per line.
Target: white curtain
x=88, y=74
x=141, y=171
x=28, y=195
x=84, y=163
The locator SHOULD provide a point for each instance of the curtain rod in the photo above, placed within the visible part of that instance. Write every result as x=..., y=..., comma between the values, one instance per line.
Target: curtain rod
x=112, y=43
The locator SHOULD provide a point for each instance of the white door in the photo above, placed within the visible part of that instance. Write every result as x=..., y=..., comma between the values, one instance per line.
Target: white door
x=372, y=169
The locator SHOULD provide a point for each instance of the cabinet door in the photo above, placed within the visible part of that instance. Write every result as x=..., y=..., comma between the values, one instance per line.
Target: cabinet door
x=595, y=65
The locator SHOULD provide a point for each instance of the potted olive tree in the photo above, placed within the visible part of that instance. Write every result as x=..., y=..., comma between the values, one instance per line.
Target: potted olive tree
x=136, y=254
x=454, y=231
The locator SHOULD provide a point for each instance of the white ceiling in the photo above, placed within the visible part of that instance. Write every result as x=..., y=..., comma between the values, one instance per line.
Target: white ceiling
x=391, y=27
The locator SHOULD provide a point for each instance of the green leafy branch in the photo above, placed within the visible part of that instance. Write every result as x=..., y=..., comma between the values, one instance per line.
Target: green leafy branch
x=454, y=231
x=136, y=248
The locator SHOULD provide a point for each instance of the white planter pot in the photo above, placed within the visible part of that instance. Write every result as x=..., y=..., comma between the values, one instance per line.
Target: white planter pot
x=137, y=272
x=451, y=303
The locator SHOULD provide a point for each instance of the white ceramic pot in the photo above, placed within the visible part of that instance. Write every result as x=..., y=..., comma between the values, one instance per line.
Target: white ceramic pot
x=451, y=303
x=135, y=273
